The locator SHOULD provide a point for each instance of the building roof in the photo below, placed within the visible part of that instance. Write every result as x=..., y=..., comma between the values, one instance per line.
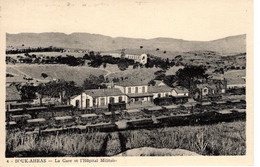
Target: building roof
x=63, y=118
x=12, y=94
x=159, y=83
x=88, y=115
x=155, y=108
x=201, y=86
x=140, y=95
x=129, y=82
x=104, y=92
x=180, y=89
x=133, y=111
x=236, y=81
x=159, y=89
x=36, y=120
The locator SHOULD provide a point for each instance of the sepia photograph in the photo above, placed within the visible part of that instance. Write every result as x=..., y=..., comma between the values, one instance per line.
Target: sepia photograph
x=127, y=79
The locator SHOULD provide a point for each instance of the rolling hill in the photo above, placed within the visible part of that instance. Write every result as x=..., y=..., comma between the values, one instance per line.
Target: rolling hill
x=96, y=42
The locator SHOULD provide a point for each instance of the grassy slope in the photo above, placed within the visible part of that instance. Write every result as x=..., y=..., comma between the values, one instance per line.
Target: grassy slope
x=140, y=75
x=77, y=74
x=218, y=139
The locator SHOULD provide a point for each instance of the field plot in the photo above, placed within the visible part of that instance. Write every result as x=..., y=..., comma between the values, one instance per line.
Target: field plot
x=216, y=139
x=77, y=74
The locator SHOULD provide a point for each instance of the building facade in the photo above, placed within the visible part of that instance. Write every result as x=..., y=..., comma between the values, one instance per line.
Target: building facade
x=160, y=91
x=142, y=59
x=98, y=98
x=135, y=93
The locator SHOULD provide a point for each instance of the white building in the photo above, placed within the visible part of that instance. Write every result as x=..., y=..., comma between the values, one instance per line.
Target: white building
x=98, y=98
x=136, y=93
x=160, y=91
x=142, y=59
x=180, y=92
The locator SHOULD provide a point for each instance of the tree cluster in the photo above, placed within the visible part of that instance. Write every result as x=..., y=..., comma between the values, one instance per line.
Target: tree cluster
x=96, y=60
x=159, y=63
x=38, y=49
x=94, y=82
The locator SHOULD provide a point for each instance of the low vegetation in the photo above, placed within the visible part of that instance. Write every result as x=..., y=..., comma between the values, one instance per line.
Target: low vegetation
x=217, y=139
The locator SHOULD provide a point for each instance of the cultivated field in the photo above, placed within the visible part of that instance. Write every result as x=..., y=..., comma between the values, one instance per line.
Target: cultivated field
x=217, y=139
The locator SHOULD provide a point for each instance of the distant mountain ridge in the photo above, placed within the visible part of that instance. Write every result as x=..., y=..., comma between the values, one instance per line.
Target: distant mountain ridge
x=97, y=42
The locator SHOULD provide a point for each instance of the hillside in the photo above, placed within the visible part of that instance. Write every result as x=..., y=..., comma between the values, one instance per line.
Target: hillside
x=96, y=42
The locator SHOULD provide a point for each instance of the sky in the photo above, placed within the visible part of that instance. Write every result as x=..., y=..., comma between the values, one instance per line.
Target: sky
x=199, y=20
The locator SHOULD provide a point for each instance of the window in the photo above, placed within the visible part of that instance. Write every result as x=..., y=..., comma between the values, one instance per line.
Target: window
x=166, y=94
x=136, y=89
x=143, y=89
x=111, y=100
x=120, y=99
x=77, y=103
x=94, y=101
x=159, y=95
x=205, y=90
x=129, y=90
x=102, y=101
x=87, y=103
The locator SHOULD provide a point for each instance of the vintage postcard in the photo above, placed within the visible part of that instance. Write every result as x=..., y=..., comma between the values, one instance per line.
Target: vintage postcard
x=126, y=83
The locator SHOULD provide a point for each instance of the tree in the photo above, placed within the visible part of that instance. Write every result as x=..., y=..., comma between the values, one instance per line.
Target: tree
x=94, y=82
x=28, y=92
x=44, y=75
x=169, y=79
x=122, y=65
x=135, y=65
x=151, y=83
x=188, y=76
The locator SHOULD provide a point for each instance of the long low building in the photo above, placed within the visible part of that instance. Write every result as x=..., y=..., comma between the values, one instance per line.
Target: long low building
x=130, y=93
x=98, y=98
x=140, y=58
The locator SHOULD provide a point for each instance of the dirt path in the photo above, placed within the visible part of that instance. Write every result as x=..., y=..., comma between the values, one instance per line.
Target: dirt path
x=23, y=73
x=109, y=72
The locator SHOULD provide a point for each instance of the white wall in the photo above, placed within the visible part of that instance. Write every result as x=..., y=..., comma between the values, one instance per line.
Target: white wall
x=83, y=103
x=174, y=93
x=205, y=91
x=140, y=89
x=97, y=102
x=163, y=94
